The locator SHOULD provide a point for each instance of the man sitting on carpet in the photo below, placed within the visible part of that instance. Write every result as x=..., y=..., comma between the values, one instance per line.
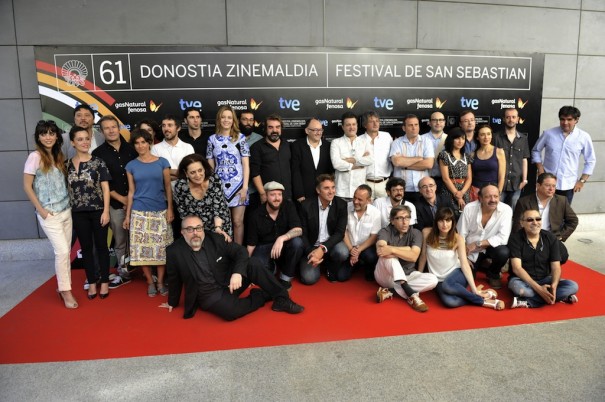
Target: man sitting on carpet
x=215, y=273
x=398, y=249
x=536, y=269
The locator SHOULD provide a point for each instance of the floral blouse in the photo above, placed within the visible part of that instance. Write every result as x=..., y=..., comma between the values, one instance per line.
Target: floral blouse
x=85, y=190
x=214, y=203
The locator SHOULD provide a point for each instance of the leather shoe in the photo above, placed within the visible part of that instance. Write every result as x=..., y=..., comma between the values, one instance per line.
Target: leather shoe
x=287, y=306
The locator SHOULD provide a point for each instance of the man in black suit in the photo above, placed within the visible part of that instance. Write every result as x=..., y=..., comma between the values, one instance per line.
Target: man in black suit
x=429, y=203
x=556, y=215
x=310, y=158
x=215, y=273
x=324, y=221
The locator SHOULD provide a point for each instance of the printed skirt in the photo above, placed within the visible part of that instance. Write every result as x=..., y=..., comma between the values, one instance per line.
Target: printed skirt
x=150, y=234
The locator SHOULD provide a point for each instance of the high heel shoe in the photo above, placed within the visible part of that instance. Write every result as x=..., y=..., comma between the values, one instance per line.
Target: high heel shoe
x=91, y=296
x=106, y=294
x=68, y=304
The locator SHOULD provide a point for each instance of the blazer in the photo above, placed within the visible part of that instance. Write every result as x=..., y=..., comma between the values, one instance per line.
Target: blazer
x=337, y=222
x=424, y=216
x=563, y=220
x=182, y=268
x=303, y=167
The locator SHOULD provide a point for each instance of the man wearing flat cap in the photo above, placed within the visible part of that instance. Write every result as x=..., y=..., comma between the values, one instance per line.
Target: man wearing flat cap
x=274, y=231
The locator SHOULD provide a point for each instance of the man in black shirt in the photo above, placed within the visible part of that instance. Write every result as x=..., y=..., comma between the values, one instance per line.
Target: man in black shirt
x=274, y=234
x=193, y=135
x=536, y=269
x=429, y=202
x=215, y=273
x=270, y=159
x=116, y=153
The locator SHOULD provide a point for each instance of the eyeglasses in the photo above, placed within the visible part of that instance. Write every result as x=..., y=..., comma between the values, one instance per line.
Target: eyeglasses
x=316, y=130
x=438, y=120
x=405, y=218
x=427, y=186
x=529, y=220
x=47, y=122
x=191, y=229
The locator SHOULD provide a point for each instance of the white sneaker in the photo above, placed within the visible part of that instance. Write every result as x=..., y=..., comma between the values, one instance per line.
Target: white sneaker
x=519, y=303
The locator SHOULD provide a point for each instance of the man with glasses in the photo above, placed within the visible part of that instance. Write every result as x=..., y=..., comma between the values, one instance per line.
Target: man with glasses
x=436, y=136
x=556, y=215
x=310, y=158
x=429, y=202
x=562, y=148
x=398, y=248
x=215, y=273
x=380, y=170
x=516, y=150
x=395, y=189
x=535, y=279
x=485, y=225
x=467, y=125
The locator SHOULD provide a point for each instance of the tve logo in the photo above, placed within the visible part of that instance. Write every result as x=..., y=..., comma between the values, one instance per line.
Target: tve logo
x=383, y=103
x=293, y=104
x=184, y=104
x=469, y=103
x=496, y=120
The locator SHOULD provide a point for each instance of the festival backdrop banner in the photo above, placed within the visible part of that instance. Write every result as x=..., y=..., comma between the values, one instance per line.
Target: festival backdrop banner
x=135, y=83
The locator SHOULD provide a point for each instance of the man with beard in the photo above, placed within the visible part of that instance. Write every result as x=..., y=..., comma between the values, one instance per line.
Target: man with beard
x=193, y=134
x=395, y=189
x=437, y=137
x=350, y=155
x=556, y=215
x=467, y=125
x=270, y=159
x=246, y=125
x=84, y=117
x=274, y=234
x=172, y=148
x=363, y=224
x=485, y=225
x=215, y=273
x=516, y=150
x=536, y=269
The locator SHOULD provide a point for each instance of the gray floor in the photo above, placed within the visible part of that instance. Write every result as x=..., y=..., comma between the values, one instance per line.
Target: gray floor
x=553, y=361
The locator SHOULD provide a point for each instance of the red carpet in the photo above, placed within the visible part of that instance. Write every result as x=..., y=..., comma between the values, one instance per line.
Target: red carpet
x=129, y=324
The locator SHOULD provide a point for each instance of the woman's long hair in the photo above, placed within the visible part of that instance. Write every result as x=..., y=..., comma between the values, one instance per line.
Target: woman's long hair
x=234, y=132
x=443, y=214
x=55, y=156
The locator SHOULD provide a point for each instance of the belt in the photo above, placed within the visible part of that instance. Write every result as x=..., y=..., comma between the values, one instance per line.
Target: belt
x=377, y=180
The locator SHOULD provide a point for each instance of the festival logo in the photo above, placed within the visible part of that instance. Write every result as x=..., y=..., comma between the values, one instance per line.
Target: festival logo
x=74, y=72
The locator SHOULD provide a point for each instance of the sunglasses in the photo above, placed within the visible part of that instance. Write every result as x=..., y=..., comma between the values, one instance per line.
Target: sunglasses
x=529, y=220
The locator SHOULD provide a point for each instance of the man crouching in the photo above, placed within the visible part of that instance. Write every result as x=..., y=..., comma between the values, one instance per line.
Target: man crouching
x=215, y=273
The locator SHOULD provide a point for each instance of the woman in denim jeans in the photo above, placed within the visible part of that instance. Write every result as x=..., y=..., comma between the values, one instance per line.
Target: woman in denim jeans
x=45, y=185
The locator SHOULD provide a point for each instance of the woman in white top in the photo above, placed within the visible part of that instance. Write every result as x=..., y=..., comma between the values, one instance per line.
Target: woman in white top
x=444, y=251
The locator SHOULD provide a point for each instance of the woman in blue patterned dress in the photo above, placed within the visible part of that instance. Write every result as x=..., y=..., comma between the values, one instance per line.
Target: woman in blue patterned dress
x=228, y=155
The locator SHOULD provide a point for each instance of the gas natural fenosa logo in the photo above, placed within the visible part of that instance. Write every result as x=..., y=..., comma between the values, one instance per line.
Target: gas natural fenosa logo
x=153, y=106
x=74, y=72
x=521, y=104
x=255, y=105
x=439, y=103
x=350, y=103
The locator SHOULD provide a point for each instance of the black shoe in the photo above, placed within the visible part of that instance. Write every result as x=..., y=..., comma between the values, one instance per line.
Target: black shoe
x=286, y=284
x=286, y=305
x=331, y=276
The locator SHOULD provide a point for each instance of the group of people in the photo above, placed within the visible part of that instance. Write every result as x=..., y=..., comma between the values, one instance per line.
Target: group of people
x=415, y=213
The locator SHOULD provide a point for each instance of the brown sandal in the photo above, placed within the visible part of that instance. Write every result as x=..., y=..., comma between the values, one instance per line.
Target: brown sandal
x=382, y=294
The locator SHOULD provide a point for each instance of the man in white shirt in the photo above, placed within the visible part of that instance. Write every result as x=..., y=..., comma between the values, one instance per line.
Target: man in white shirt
x=363, y=225
x=485, y=225
x=172, y=148
x=350, y=155
x=436, y=136
x=378, y=172
x=395, y=189
x=412, y=157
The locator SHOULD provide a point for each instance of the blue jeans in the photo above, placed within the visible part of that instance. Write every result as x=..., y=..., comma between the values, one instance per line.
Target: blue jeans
x=367, y=260
x=510, y=197
x=524, y=292
x=291, y=253
x=453, y=292
x=332, y=262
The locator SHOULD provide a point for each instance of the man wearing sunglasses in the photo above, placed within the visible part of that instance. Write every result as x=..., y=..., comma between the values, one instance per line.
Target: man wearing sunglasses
x=215, y=273
x=556, y=214
x=536, y=269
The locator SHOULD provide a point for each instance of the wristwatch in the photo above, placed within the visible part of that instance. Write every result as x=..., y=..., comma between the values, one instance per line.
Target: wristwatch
x=582, y=181
x=478, y=244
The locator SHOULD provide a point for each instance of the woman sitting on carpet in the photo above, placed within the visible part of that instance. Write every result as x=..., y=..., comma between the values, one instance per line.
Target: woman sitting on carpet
x=45, y=185
x=88, y=184
x=149, y=210
x=444, y=251
x=199, y=192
